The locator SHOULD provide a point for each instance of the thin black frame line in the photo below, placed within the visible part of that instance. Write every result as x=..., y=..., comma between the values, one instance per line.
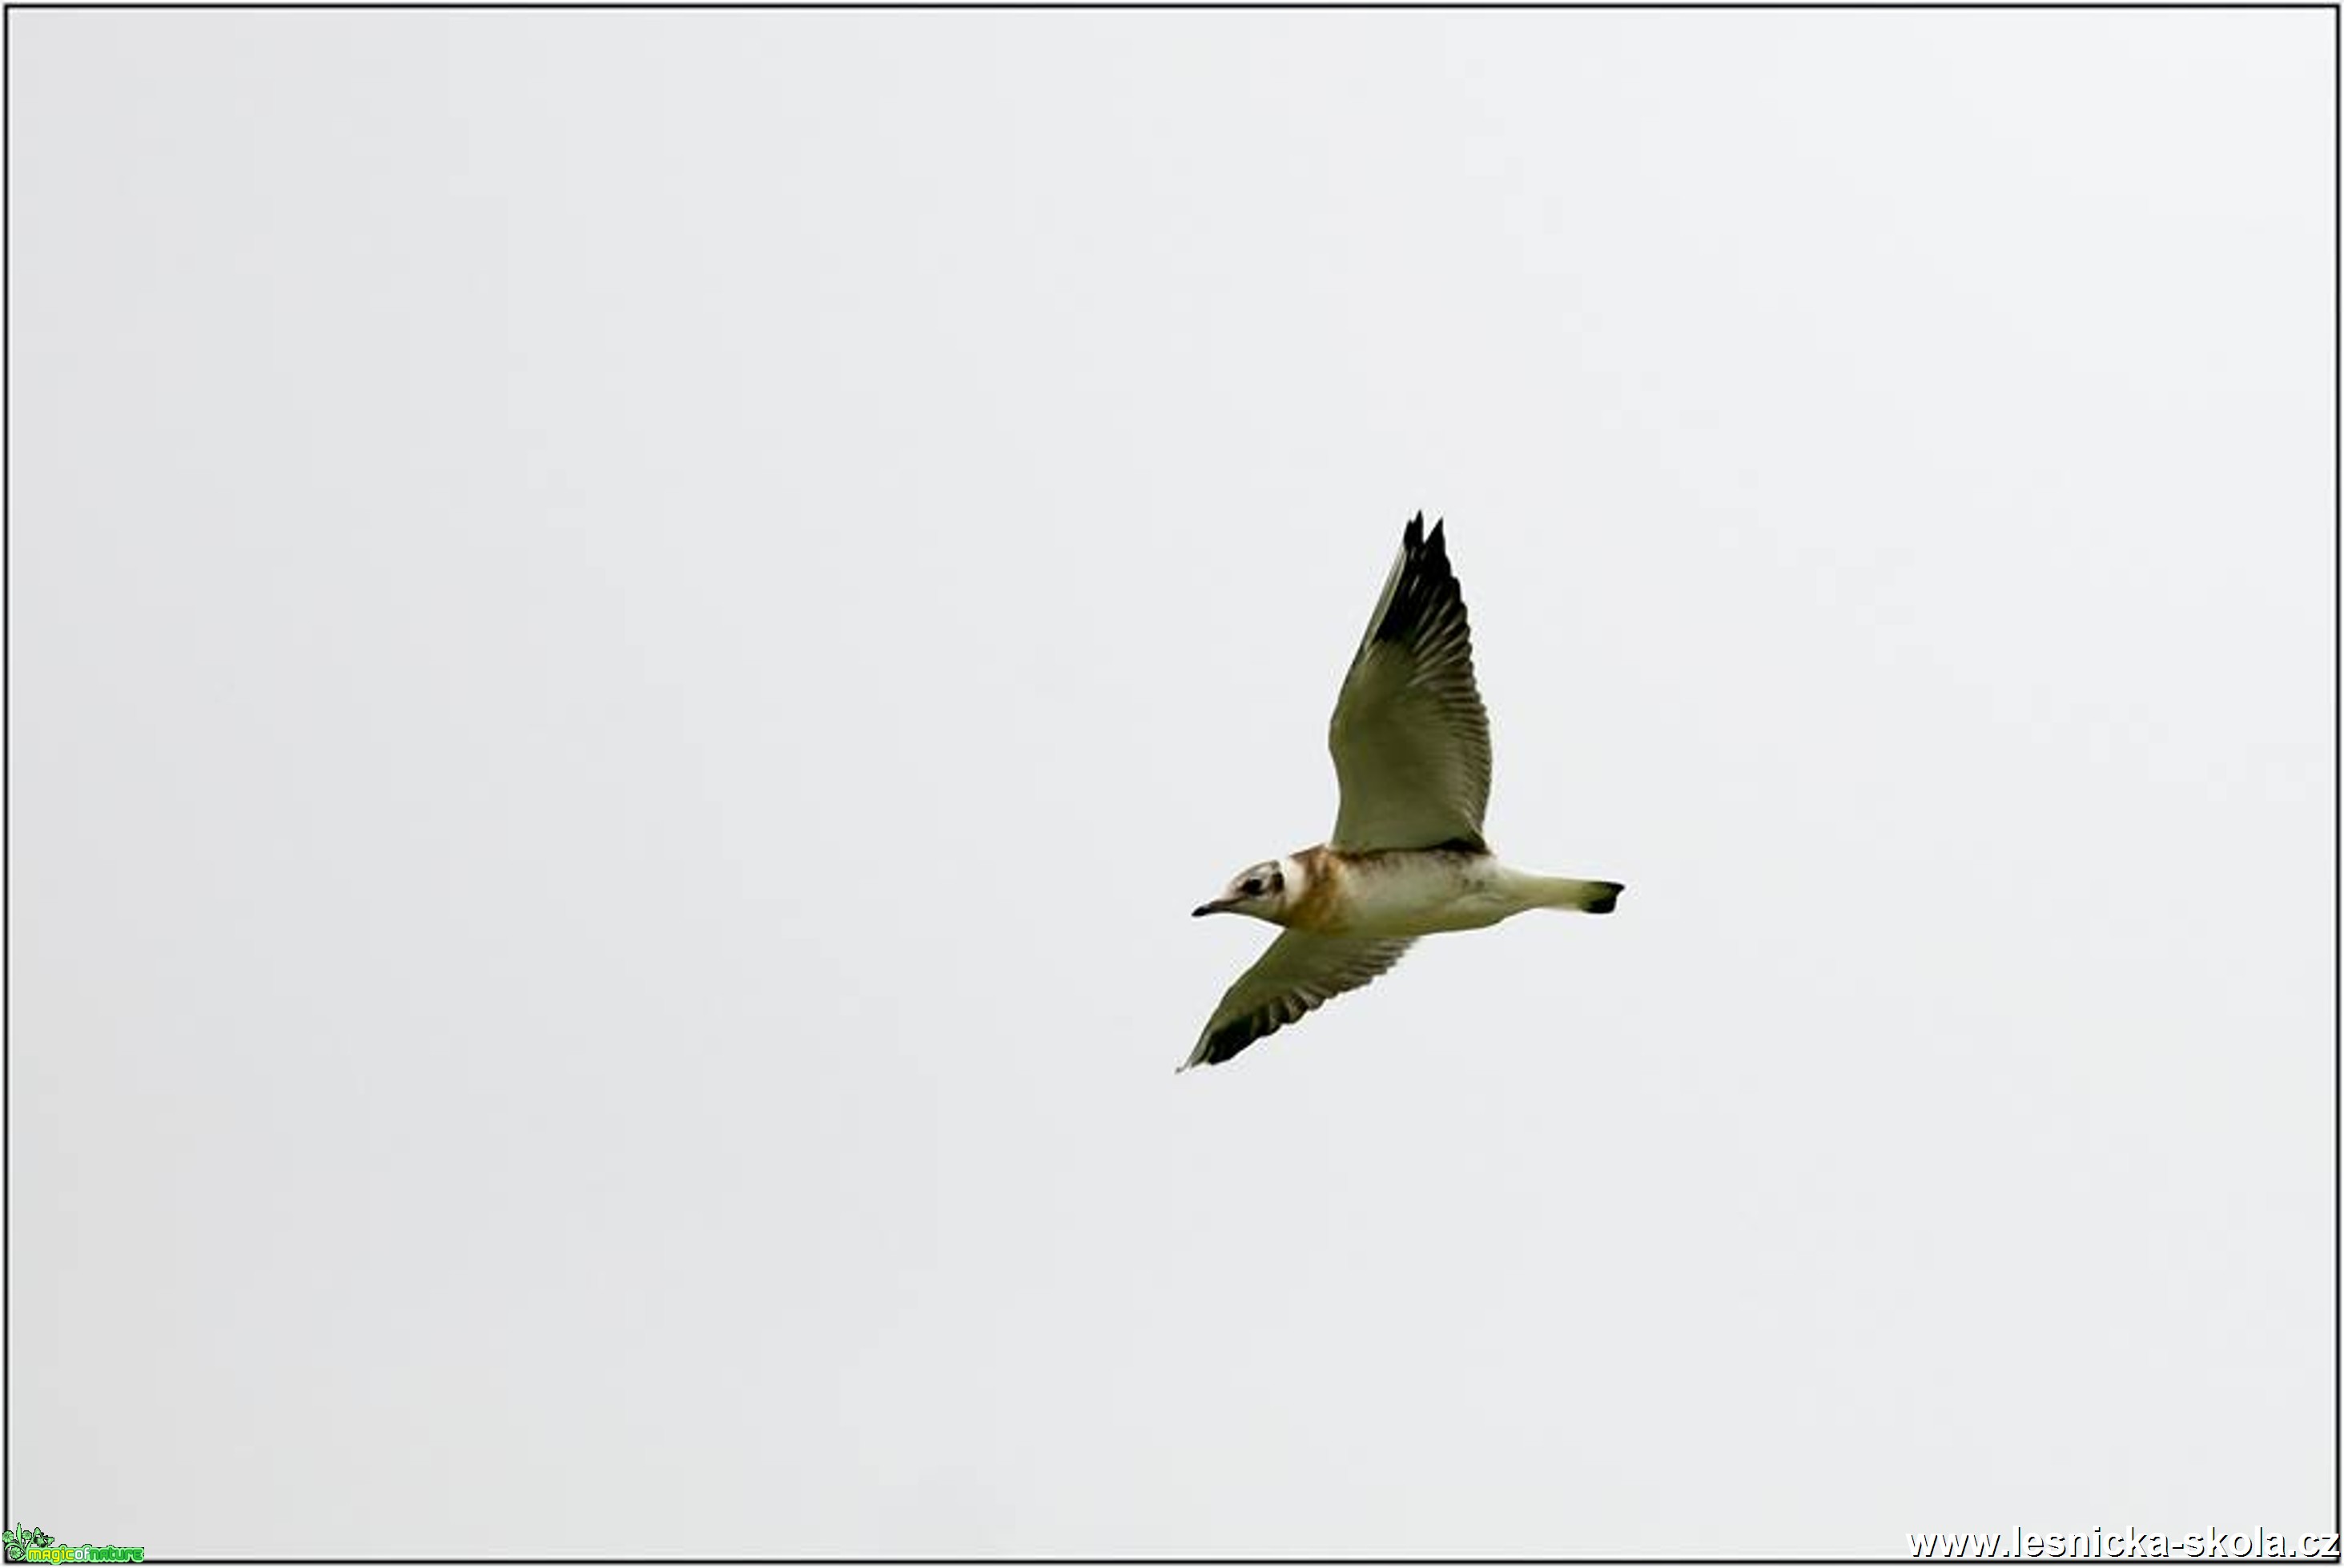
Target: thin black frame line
x=7, y=661
x=2336, y=734
x=7, y=724
x=1116, y=1562
x=1276, y=5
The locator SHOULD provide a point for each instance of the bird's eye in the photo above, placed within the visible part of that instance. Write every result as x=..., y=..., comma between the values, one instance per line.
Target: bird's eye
x=1252, y=888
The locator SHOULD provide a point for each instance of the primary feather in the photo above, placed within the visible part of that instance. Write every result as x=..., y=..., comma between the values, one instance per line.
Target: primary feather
x=1409, y=735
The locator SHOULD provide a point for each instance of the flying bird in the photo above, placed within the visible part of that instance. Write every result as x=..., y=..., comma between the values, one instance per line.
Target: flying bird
x=1411, y=746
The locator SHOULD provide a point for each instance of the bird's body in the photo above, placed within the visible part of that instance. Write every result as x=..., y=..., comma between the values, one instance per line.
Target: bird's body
x=1416, y=892
x=1412, y=748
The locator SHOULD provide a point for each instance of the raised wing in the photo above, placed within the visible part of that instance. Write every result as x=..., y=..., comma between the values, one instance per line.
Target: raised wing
x=1410, y=739
x=1299, y=971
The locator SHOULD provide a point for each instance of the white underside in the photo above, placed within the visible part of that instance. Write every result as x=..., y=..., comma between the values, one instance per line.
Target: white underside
x=1415, y=895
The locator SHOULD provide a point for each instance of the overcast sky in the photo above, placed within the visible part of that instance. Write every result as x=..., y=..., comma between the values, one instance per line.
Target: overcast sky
x=634, y=634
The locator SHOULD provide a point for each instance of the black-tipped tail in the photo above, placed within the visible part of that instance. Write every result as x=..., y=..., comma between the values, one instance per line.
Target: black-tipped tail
x=1570, y=892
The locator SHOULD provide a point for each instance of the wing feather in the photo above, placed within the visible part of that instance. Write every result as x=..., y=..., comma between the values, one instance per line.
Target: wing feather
x=1297, y=972
x=1410, y=737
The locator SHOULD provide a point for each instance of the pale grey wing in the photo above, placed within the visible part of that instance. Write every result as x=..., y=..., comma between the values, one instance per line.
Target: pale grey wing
x=1300, y=970
x=1410, y=739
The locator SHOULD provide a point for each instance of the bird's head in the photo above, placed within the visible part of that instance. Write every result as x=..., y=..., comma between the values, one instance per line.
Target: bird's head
x=1263, y=891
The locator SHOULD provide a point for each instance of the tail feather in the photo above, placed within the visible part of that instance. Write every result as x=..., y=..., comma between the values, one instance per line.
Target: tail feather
x=1570, y=892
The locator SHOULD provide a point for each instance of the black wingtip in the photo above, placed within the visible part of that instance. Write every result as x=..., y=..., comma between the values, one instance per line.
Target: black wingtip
x=1426, y=581
x=1215, y=1049
x=1607, y=901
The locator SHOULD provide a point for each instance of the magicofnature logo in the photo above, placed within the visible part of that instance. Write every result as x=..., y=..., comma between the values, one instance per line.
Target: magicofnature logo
x=38, y=1545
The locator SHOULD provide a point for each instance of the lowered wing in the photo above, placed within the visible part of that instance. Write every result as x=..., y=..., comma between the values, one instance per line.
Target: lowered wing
x=1300, y=970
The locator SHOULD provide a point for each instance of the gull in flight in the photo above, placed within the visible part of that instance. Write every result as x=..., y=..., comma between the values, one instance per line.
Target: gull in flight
x=1412, y=748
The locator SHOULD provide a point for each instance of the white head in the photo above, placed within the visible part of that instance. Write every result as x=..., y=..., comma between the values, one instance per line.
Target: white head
x=1266, y=891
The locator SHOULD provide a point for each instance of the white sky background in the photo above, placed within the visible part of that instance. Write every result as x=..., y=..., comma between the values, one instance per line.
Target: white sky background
x=634, y=634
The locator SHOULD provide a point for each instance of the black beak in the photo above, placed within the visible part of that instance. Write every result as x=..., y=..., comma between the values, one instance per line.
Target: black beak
x=1207, y=909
